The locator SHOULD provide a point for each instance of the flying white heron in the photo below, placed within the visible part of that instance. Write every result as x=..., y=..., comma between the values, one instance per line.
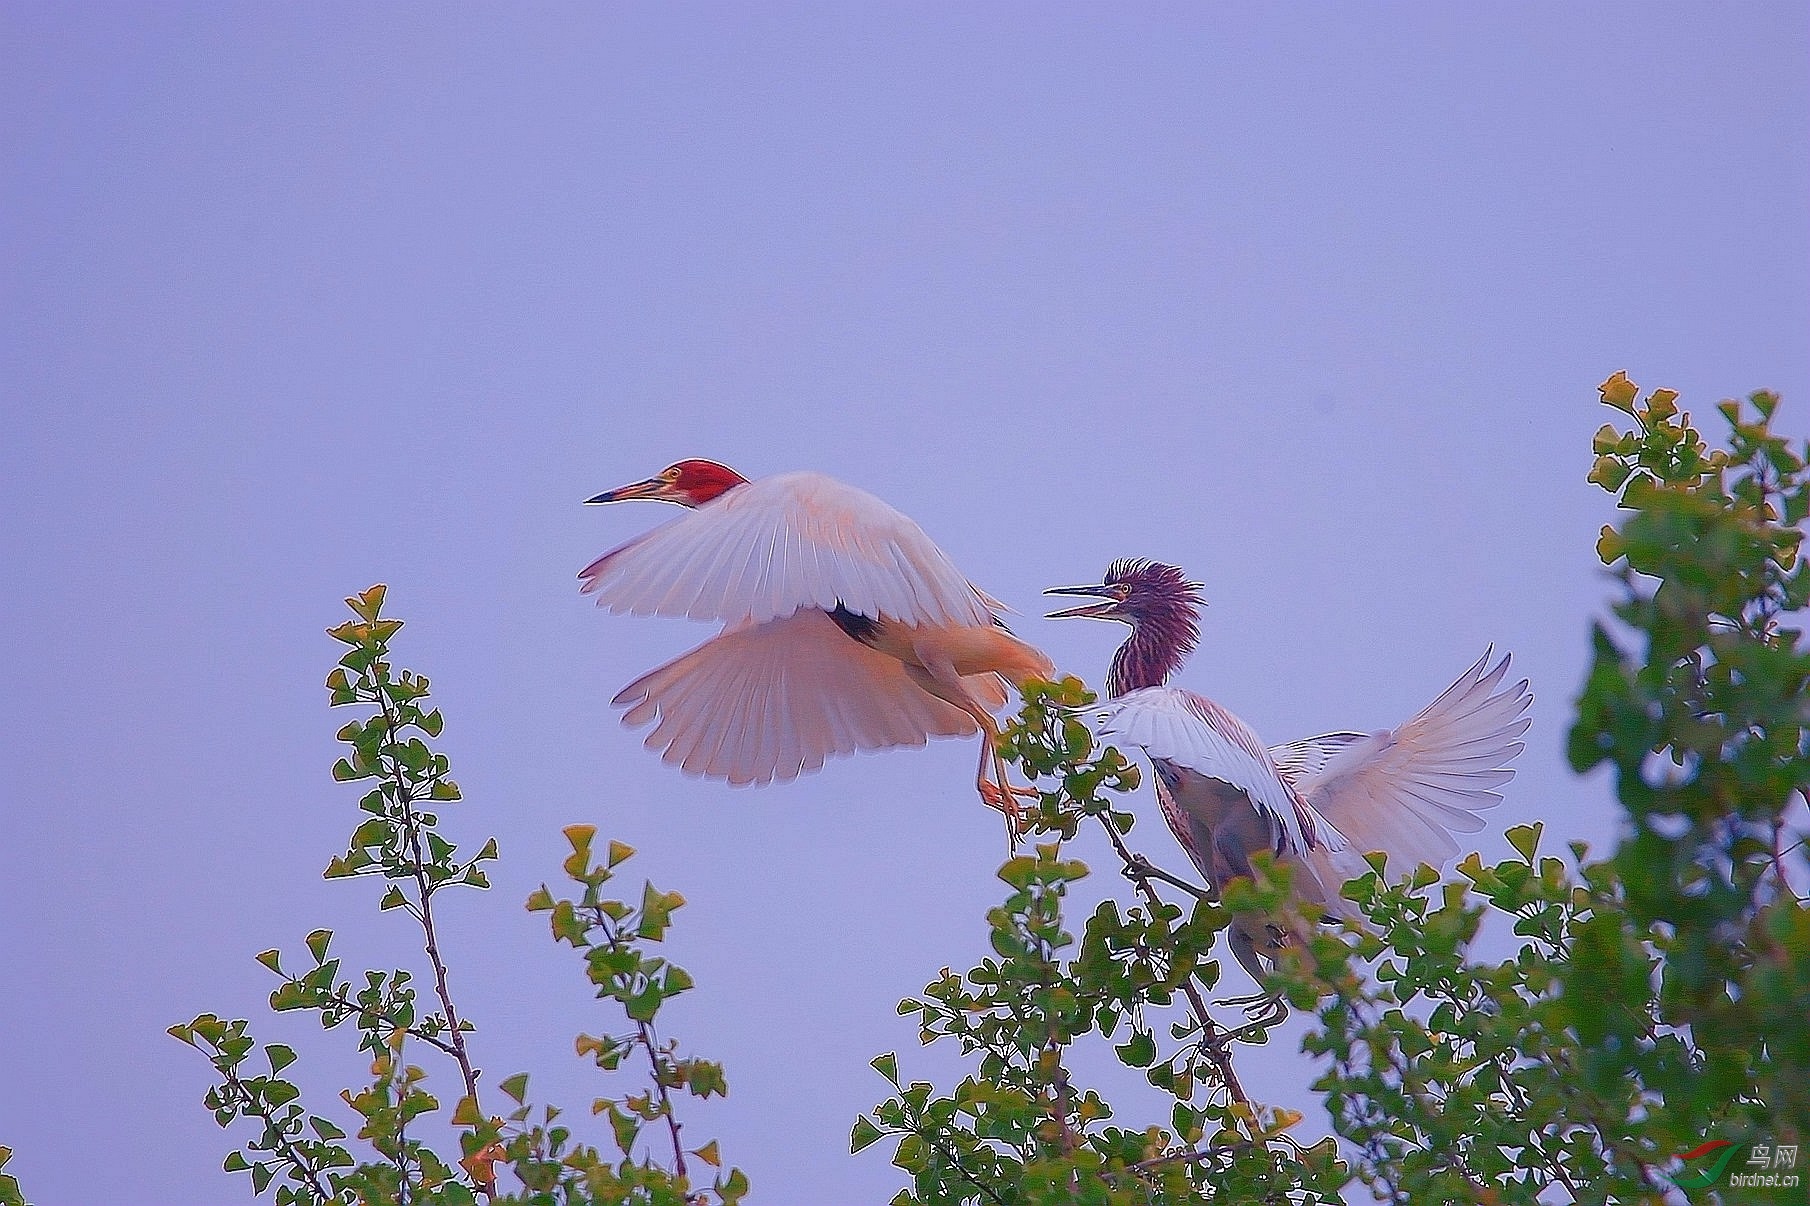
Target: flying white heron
x=844, y=628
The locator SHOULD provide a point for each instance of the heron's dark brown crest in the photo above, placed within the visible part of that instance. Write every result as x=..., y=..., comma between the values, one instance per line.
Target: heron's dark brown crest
x=1163, y=609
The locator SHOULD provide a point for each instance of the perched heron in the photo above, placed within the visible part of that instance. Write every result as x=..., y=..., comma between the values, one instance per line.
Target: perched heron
x=844, y=628
x=1318, y=804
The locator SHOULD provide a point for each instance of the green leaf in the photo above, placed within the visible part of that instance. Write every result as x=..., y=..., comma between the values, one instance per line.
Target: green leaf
x=888, y=1066
x=1619, y=392
x=1525, y=839
x=1139, y=1051
x=864, y=1134
x=642, y=1006
x=368, y=604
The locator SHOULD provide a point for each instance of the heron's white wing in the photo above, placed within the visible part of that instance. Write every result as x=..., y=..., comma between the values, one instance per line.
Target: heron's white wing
x=1405, y=792
x=771, y=701
x=761, y=551
x=1192, y=732
x=1300, y=762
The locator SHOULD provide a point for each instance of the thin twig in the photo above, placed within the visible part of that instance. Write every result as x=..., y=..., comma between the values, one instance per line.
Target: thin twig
x=1193, y=1156
x=954, y=1161
x=425, y=888
x=288, y=1152
x=338, y=997
x=645, y=1038
x=1143, y=868
x=1213, y=1038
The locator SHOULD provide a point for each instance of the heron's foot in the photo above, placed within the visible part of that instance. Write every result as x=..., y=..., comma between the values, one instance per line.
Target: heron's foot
x=1005, y=799
x=1261, y=1010
x=1143, y=870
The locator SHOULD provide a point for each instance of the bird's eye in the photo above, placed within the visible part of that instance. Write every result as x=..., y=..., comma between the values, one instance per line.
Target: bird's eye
x=672, y=474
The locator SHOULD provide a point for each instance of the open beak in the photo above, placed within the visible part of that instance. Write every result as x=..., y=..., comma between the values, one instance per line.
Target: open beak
x=1093, y=611
x=651, y=488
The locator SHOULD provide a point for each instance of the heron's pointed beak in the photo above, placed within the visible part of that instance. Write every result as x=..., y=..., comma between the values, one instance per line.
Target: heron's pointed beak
x=653, y=487
x=1092, y=611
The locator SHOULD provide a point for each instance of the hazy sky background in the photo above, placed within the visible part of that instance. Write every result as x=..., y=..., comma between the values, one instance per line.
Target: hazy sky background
x=1310, y=299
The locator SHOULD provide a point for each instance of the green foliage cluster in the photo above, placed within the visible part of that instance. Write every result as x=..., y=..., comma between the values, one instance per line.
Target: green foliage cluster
x=10, y=1193
x=611, y=934
x=1658, y=998
x=1699, y=702
x=522, y=1154
x=1018, y=1130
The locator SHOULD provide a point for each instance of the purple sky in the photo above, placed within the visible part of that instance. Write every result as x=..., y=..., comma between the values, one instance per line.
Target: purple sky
x=1311, y=300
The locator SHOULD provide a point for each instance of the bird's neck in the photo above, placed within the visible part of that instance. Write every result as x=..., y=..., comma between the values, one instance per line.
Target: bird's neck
x=1146, y=659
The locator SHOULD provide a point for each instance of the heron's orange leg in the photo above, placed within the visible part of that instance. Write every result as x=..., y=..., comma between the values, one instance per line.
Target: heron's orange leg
x=939, y=678
x=998, y=792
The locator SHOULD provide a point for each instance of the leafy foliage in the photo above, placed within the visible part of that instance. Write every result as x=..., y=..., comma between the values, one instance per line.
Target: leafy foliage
x=1651, y=1000
x=1700, y=705
x=1658, y=998
x=611, y=934
x=1655, y=998
x=10, y=1193
x=306, y=1155
x=1019, y=1130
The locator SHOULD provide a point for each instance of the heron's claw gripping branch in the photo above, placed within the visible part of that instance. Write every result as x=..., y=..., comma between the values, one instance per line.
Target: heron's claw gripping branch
x=1140, y=869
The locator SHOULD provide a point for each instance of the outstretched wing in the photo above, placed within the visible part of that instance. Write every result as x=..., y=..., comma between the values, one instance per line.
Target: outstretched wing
x=771, y=701
x=1301, y=762
x=1192, y=732
x=1405, y=792
x=763, y=550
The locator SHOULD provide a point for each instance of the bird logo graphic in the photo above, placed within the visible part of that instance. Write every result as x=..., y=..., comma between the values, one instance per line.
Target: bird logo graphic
x=1703, y=1176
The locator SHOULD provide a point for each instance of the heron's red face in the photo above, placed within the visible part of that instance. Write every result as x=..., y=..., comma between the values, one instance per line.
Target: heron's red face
x=688, y=483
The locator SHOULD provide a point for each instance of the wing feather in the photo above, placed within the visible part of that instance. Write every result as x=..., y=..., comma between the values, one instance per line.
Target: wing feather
x=1300, y=762
x=1194, y=733
x=766, y=702
x=796, y=540
x=1405, y=792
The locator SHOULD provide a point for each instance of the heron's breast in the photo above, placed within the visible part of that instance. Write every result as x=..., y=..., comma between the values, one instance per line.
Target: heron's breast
x=1219, y=805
